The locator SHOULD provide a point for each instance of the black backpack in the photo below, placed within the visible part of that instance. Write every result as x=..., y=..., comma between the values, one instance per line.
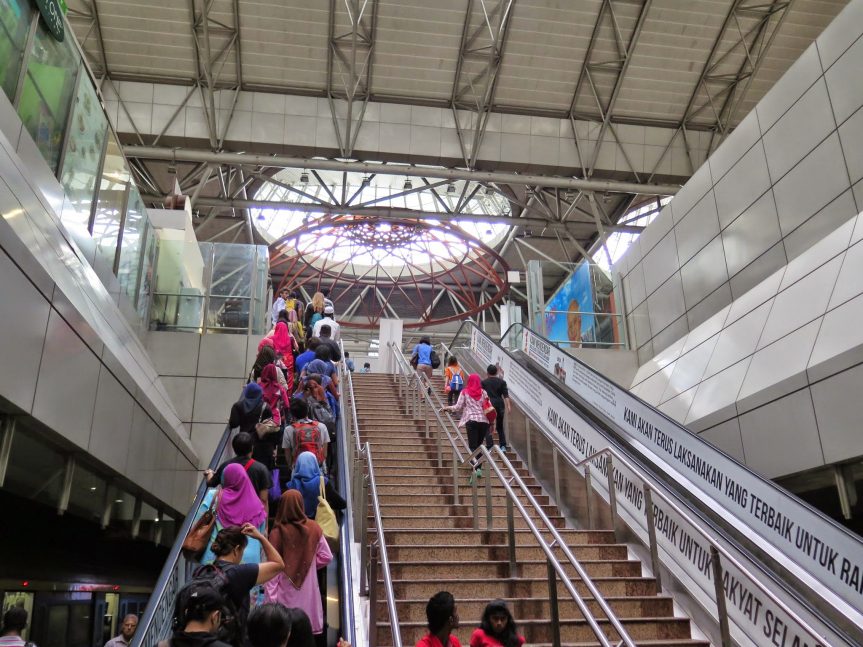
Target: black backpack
x=233, y=627
x=435, y=360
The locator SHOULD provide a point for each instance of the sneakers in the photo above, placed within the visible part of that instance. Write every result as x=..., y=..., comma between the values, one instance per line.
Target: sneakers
x=476, y=474
x=504, y=449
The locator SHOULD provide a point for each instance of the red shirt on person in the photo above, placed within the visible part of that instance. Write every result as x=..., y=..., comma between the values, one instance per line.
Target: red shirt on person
x=430, y=640
x=479, y=638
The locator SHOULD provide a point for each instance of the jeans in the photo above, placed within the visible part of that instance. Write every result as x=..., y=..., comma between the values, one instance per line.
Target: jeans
x=476, y=433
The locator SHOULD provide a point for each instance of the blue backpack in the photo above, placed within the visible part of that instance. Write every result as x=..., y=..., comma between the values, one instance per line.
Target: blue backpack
x=456, y=383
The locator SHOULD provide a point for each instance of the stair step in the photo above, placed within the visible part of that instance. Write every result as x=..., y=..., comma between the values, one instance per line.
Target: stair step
x=500, y=568
x=462, y=537
x=471, y=609
x=433, y=553
x=575, y=629
x=452, y=522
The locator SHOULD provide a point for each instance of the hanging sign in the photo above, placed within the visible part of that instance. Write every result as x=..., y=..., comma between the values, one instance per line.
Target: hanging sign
x=52, y=13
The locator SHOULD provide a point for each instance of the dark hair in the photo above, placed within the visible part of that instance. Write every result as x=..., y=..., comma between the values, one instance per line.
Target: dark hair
x=439, y=610
x=425, y=340
x=452, y=361
x=367, y=365
x=314, y=342
x=269, y=625
x=283, y=316
x=325, y=292
x=509, y=636
x=267, y=355
x=326, y=330
x=15, y=619
x=242, y=444
x=283, y=289
x=195, y=601
x=323, y=352
x=491, y=369
x=347, y=354
x=295, y=294
x=299, y=409
x=227, y=540
x=301, y=629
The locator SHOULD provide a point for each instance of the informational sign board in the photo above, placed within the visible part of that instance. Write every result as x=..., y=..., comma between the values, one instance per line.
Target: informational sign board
x=52, y=13
x=769, y=512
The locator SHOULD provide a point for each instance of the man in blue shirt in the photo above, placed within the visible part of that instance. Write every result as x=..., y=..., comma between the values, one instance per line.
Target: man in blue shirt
x=302, y=359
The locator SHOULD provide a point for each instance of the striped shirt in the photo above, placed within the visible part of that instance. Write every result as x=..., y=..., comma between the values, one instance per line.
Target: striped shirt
x=469, y=408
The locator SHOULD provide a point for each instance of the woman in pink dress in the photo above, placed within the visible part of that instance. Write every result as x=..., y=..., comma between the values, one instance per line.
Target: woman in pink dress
x=275, y=395
x=304, y=549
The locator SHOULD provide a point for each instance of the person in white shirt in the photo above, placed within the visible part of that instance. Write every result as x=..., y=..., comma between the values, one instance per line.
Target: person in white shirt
x=127, y=630
x=279, y=304
x=327, y=320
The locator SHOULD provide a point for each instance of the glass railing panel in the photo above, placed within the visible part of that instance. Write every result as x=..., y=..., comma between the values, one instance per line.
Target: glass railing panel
x=79, y=173
x=146, y=273
x=131, y=246
x=49, y=83
x=233, y=271
x=110, y=203
x=15, y=20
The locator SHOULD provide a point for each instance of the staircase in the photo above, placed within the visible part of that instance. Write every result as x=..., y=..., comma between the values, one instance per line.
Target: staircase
x=432, y=545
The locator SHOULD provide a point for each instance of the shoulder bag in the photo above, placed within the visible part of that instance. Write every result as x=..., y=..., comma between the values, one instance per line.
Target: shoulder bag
x=264, y=427
x=196, y=541
x=326, y=518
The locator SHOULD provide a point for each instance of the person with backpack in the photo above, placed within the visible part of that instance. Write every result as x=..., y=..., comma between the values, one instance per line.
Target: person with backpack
x=248, y=412
x=497, y=628
x=498, y=394
x=349, y=363
x=470, y=405
x=199, y=612
x=314, y=313
x=453, y=380
x=304, y=435
x=14, y=624
x=234, y=579
x=304, y=550
x=259, y=475
x=235, y=503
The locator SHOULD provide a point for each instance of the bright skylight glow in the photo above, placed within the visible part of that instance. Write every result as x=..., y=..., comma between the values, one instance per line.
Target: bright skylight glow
x=619, y=242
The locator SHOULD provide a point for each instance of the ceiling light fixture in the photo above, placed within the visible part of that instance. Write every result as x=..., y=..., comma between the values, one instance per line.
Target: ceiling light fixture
x=366, y=181
x=408, y=185
x=304, y=177
x=450, y=188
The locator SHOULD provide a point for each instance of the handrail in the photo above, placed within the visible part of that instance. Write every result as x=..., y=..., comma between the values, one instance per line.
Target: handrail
x=364, y=452
x=423, y=390
x=158, y=614
x=347, y=616
x=654, y=486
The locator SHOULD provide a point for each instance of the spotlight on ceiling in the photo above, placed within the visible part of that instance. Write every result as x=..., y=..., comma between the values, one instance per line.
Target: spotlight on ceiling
x=304, y=177
x=489, y=190
x=450, y=188
x=366, y=181
x=408, y=185
x=261, y=217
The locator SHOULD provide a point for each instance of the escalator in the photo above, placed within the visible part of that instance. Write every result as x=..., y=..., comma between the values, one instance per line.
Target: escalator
x=790, y=576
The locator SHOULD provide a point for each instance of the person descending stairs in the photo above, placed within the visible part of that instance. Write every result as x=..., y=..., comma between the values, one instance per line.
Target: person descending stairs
x=432, y=544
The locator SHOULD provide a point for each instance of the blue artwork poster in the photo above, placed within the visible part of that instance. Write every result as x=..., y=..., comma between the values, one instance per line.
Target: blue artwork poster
x=564, y=324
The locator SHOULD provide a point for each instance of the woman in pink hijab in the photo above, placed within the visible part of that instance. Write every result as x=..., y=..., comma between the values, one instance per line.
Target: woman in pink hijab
x=236, y=503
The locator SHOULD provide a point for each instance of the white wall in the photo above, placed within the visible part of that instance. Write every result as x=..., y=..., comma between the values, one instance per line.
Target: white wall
x=745, y=296
x=787, y=176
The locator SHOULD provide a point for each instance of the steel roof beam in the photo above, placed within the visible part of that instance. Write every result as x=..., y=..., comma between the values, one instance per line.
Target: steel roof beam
x=480, y=56
x=499, y=177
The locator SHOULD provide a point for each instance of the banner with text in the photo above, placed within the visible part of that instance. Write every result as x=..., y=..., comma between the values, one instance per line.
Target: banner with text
x=756, y=617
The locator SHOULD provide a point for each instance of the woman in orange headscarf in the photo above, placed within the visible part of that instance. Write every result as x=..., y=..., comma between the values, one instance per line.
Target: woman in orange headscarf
x=302, y=545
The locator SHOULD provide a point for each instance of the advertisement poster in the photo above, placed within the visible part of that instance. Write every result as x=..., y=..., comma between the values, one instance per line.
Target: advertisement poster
x=569, y=315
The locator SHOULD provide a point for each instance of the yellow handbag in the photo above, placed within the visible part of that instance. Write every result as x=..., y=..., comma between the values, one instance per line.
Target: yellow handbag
x=326, y=518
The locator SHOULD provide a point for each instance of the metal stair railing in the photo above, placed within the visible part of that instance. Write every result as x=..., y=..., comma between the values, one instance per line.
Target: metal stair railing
x=370, y=553
x=717, y=539
x=422, y=393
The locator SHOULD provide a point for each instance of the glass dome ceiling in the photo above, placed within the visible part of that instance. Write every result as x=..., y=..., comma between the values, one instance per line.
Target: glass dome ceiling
x=379, y=205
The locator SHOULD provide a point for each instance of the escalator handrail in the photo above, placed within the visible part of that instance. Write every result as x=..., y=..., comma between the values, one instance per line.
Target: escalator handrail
x=674, y=423
x=347, y=611
x=161, y=589
x=673, y=486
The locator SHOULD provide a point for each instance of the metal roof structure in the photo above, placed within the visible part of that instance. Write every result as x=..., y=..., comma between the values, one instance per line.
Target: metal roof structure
x=692, y=66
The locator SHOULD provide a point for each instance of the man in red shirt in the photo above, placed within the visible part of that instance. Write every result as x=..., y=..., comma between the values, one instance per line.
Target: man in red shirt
x=442, y=619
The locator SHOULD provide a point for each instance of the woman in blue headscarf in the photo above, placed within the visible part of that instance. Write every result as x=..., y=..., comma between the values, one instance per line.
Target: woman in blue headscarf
x=248, y=411
x=306, y=479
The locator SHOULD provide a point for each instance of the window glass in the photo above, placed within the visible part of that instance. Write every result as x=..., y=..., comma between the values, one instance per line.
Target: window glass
x=145, y=291
x=231, y=287
x=35, y=469
x=80, y=171
x=47, y=94
x=109, y=208
x=130, y=249
x=15, y=18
